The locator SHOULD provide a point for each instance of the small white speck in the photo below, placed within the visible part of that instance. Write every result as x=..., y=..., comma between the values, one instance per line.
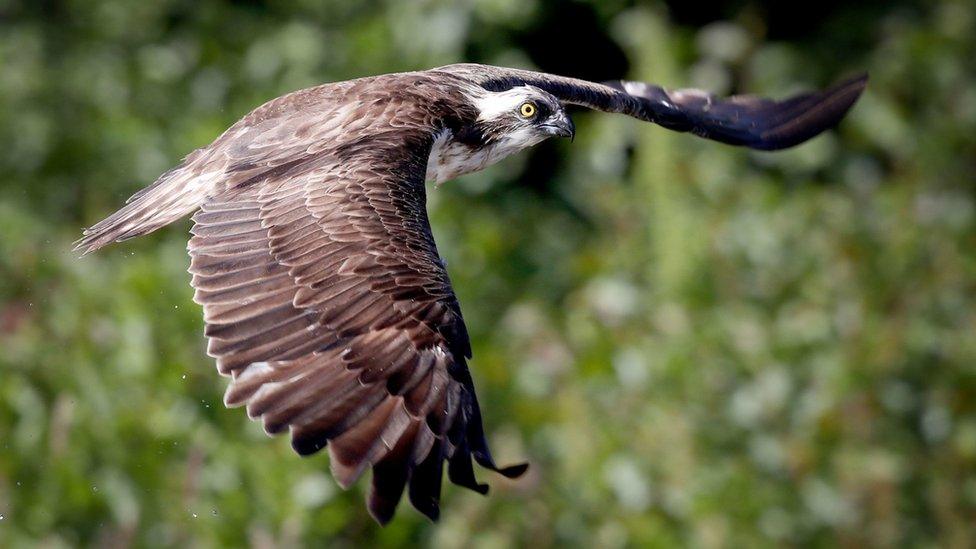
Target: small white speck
x=94, y=488
x=183, y=376
x=194, y=515
x=213, y=512
x=1, y=517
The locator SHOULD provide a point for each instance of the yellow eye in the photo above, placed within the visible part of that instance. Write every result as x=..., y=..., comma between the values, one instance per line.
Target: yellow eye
x=527, y=110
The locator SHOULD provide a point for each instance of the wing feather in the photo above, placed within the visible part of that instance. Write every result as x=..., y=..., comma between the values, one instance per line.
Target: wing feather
x=748, y=121
x=326, y=301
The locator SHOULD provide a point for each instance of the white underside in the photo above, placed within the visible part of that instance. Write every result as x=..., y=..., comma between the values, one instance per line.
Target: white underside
x=449, y=159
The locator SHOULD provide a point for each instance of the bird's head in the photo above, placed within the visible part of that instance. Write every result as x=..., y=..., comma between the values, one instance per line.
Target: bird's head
x=521, y=117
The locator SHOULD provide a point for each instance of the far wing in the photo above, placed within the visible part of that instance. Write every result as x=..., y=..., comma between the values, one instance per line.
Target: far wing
x=749, y=121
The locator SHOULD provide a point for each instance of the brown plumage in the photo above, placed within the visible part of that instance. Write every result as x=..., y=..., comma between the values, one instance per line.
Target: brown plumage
x=324, y=296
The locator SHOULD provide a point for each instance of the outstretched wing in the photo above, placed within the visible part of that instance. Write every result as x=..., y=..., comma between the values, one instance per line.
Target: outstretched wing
x=324, y=297
x=326, y=301
x=749, y=121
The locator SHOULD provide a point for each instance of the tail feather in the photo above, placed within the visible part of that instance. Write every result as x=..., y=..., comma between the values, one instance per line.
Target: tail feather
x=174, y=195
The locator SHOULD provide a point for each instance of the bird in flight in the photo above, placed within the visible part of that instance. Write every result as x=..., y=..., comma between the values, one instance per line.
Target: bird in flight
x=324, y=297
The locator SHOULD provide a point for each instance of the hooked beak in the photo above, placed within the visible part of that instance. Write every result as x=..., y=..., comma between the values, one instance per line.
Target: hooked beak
x=560, y=125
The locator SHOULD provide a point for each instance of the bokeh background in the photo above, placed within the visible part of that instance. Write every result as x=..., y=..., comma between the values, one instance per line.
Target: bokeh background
x=693, y=344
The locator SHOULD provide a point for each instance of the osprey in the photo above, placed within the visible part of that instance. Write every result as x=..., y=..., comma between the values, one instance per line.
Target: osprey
x=325, y=299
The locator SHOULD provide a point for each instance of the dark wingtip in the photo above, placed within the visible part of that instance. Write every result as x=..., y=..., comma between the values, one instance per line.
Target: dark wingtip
x=745, y=120
x=381, y=511
x=461, y=472
x=805, y=120
x=514, y=471
x=430, y=509
x=425, y=483
x=309, y=445
x=434, y=513
x=855, y=86
x=861, y=77
x=847, y=92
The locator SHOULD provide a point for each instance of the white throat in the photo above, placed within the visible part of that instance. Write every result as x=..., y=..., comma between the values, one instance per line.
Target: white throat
x=449, y=159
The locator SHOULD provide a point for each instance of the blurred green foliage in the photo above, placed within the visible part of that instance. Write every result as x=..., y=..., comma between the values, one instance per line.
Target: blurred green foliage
x=693, y=344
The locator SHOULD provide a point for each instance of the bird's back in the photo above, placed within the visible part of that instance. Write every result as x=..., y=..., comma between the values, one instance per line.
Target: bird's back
x=339, y=119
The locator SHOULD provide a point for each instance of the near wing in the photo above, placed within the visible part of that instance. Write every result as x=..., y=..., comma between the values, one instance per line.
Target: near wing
x=326, y=301
x=749, y=121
